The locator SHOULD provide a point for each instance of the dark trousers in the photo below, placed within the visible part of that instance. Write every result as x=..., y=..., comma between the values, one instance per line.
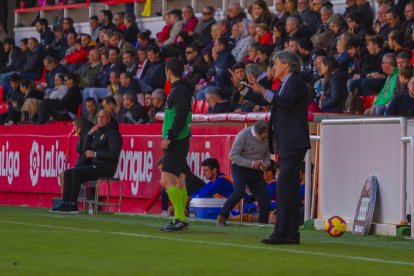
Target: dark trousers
x=366, y=86
x=164, y=200
x=50, y=107
x=253, y=179
x=288, y=196
x=73, y=178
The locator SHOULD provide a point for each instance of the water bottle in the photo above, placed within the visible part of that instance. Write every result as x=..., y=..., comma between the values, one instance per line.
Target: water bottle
x=90, y=209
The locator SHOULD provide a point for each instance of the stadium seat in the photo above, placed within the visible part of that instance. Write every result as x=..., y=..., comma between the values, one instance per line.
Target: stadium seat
x=42, y=78
x=109, y=181
x=3, y=107
x=368, y=101
x=2, y=94
x=200, y=107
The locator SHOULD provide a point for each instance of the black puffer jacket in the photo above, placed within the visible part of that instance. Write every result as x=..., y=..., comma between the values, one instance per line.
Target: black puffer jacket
x=107, y=143
x=81, y=145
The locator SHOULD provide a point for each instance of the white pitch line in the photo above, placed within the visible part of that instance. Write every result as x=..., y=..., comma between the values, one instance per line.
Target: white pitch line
x=269, y=248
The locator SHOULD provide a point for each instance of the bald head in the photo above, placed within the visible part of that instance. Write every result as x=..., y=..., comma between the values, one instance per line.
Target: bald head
x=104, y=117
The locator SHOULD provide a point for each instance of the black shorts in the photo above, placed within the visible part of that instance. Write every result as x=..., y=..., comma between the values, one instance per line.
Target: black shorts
x=175, y=157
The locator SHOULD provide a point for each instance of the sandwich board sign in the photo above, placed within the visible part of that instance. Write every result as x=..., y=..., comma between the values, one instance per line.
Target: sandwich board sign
x=366, y=206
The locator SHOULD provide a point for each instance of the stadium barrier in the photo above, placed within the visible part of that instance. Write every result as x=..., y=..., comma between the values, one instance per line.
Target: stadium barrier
x=32, y=157
x=410, y=142
x=353, y=149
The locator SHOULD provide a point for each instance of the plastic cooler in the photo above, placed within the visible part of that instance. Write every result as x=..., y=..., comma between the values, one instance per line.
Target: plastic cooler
x=207, y=208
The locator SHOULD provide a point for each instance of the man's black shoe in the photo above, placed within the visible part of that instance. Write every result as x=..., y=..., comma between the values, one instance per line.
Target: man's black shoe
x=57, y=208
x=279, y=241
x=69, y=209
x=175, y=226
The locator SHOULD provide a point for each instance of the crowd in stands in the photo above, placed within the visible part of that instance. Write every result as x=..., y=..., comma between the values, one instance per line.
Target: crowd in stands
x=120, y=68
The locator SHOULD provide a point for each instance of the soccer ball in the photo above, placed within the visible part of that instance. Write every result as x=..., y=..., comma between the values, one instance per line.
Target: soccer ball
x=335, y=226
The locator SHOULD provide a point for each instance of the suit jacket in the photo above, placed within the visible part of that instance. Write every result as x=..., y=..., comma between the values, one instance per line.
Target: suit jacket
x=288, y=128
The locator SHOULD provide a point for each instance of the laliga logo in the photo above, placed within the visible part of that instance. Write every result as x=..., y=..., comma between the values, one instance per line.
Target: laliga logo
x=34, y=163
x=9, y=163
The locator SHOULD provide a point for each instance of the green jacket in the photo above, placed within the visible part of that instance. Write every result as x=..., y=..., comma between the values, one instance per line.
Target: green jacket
x=385, y=96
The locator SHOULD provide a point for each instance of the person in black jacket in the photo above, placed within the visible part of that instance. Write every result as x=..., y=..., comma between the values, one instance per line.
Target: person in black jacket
x=288, y=136
x=12, y=52
x=14, y=101
x=62, y=109
x=154, y=77
x=33, y=68
x=58, y=47
x=134, y=111
x=132, y=29
x=46, y=34
x=103, y=144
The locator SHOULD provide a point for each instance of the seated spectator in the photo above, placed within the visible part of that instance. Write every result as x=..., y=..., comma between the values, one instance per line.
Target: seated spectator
x=29, y=107
x=143, y=63
x=310, y=18
x=131, y=30
x=115, y=107
x=323, y=35
x=46, y=34
x=403, y=105
x=117, y=40
x=393, y=20
x=196, y=67
x=370, y=76
x=396, y=41
x=33, y=68
x=53, y=67
x=165, y=32
x=105, y=20
x=89, y=71
x=260, y=13
x=404, y=76
x=58, y=47
x=95, y=27
x=71, y=41
x=264, y=52
x=349, y=58
x=189, y=20
x=236, y=100
x=216, y=104
x=223, y=30
x=103, y=146
x=334, y=88
x=128, y=83
x=73, y=61
x=176, y=23
x=390, y=69
x=154, y=77
x=252, y=52
x=119, y=21
x=403, y=61
x=100, y=89
x=278, y=37
x=116, y=60
x=158, y=99
x=134, y=111
x=147, y=100
x=65, y=108
x=59, y=89
x=14, y=102
x=202, y=32
x=114, y=82
x=3, y=33
x=128, y=59
x=92, y=110
x=144, y=39
x=338, y=27
x=263, y=35
x=68, y=27
x=12, y=54
x=218, y=185
x=317, y=81
x=242, y=39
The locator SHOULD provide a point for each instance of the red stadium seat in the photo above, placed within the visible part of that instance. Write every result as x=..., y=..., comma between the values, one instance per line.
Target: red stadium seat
x=368, y=100
x=200, y=107
x=42, y=78
x=2, y=94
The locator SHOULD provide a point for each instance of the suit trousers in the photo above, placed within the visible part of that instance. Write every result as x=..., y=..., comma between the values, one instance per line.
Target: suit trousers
x=254, y=180
x=74, y=177
x=288, y=195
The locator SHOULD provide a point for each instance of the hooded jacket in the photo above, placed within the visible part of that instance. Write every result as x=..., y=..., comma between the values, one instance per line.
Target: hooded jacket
x=107, y=143
x=178, y=111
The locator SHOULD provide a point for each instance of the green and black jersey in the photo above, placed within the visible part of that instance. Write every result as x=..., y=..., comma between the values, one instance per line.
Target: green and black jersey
x=178, y=113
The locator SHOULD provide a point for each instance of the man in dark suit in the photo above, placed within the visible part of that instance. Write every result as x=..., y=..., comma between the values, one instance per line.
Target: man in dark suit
x=288, y=136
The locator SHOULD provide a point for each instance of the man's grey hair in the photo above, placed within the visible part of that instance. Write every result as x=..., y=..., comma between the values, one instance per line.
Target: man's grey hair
x=327, y=9
x=337, y=20
x=391, y=58
x=159, y=94
x=254, y=69
x=261, y=126
x=295, y=19
x=291, y=58
x=213, y=93
x=130, y=96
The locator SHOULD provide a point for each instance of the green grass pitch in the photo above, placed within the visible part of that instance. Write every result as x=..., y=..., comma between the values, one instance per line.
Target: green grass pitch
x=36, y=242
